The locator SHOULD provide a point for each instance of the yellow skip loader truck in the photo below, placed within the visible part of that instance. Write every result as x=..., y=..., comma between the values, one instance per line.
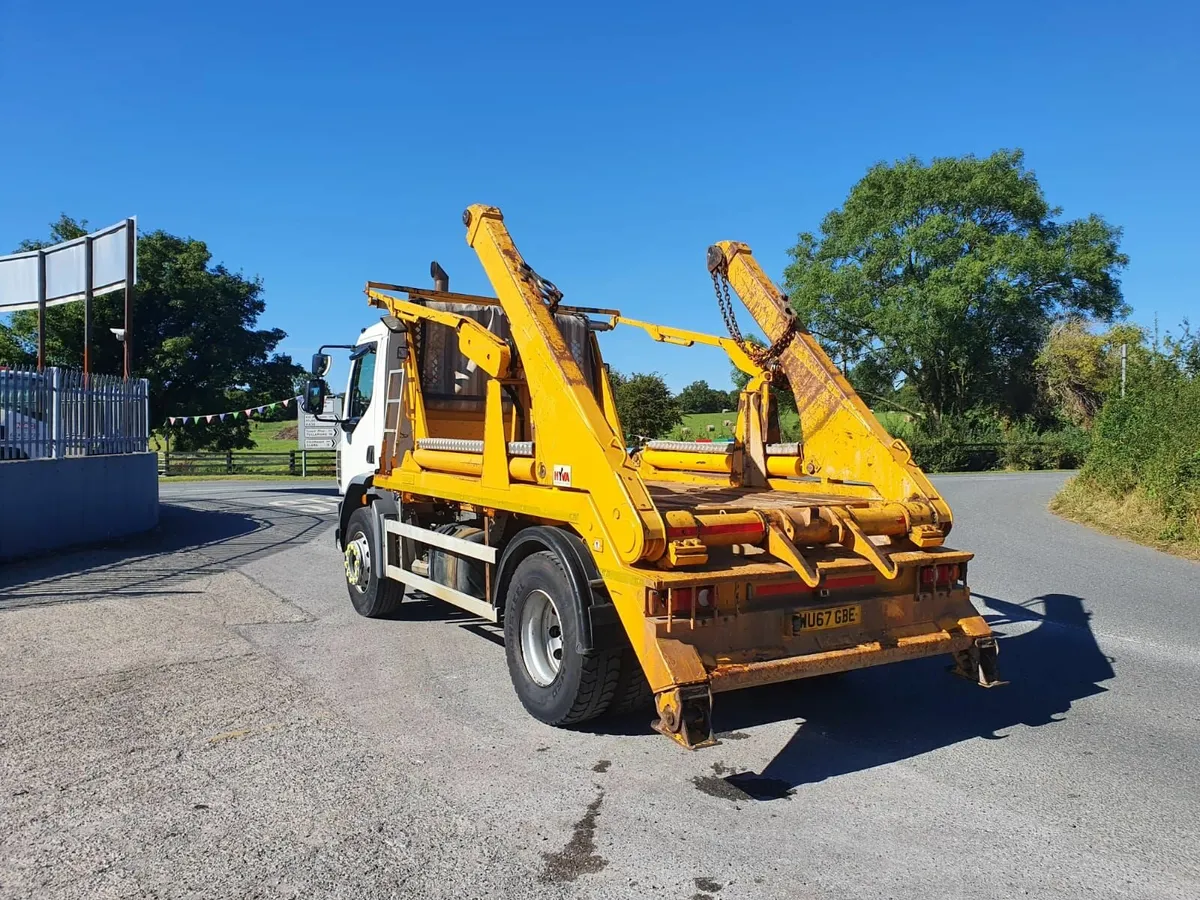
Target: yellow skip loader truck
x=482, y=461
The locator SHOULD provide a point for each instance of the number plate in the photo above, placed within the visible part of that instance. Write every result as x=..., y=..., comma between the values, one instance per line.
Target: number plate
x=821, y=619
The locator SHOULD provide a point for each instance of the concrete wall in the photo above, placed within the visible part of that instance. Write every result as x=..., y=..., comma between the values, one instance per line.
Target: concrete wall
x=46, y=504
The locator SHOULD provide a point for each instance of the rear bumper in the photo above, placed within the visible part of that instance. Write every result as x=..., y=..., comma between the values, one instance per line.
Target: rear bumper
x=733, y=676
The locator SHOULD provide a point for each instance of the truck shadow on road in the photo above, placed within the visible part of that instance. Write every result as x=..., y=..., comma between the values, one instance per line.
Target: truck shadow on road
x=192, y=540
x=420, y=607
x=871, y=717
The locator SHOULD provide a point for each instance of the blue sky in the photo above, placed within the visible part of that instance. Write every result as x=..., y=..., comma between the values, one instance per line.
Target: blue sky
x=319, y=147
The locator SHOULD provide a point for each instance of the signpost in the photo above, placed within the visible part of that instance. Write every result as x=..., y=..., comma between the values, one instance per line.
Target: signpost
x=315, y=435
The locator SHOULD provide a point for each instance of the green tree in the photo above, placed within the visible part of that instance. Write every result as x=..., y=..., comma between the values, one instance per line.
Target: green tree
x=698, y=397
x=194, y=337
x=1184, y=350
x=12, y=351
x=949, y=277
x=19, y=345
x=1148, y=442
x=645, y=405
x=1080, y=368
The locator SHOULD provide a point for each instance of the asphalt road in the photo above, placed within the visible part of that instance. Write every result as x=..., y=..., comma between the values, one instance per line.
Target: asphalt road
x=203, y=714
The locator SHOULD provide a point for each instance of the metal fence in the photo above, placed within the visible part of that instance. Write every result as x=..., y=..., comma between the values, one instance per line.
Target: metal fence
x=56, y=412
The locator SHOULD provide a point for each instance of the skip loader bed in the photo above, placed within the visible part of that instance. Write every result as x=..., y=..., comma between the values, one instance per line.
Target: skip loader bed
x=483, y=463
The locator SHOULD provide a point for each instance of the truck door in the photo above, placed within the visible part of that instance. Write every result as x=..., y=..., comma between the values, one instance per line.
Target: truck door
x=362, y=430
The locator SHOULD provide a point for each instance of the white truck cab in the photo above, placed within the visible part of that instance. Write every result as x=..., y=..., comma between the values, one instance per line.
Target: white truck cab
x=361, y=433
x=374, y=357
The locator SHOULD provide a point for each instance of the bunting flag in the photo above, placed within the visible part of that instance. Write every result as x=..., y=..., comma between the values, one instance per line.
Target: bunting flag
x=248, y=413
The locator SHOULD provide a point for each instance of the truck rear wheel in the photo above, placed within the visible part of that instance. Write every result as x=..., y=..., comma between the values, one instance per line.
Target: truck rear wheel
x=556, y=683
x=633, y=692
x=372, y=597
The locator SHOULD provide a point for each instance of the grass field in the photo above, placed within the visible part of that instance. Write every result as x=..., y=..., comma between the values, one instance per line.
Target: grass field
x=713, y=425
x=274, y=437
x=898, y=424
x=269, y=437
x=697, y=425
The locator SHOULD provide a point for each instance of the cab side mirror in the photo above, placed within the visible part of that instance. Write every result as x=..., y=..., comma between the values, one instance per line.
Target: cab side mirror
x=315, y=393
x=321, y=363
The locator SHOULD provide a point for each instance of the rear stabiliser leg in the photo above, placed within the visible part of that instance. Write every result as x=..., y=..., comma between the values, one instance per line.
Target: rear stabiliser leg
x=685, y=716
x=978, y=663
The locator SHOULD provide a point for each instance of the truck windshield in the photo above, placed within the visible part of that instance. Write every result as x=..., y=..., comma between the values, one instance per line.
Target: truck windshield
x=364, y=381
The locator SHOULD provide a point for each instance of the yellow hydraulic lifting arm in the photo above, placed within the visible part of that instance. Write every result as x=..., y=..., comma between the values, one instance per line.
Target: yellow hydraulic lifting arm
x=570, y=429
x=665, y=334
x=475, y=342
x=843, y=441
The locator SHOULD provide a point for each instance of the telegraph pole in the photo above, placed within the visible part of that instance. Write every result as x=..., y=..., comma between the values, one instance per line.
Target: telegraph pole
x=1124, y=351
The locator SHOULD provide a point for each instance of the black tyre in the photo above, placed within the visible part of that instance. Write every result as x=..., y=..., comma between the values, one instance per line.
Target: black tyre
x=633, y=692
x=556, y=683
x=372, y=597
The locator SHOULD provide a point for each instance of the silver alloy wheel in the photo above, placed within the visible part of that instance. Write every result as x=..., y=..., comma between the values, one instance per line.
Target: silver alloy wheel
x=541, y=638
x=358, y=563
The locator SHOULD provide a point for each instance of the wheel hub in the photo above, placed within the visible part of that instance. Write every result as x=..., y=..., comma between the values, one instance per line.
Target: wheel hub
x=357, y=557
x=541, y=638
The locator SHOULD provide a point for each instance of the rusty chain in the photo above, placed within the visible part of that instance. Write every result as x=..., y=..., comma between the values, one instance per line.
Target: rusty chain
x=551, y=295
x=767, y=357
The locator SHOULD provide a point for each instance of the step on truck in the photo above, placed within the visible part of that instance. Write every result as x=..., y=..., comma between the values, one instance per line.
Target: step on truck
x=482, y=462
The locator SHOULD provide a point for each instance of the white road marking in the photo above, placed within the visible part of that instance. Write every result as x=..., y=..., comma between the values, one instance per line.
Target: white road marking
x=311, y=505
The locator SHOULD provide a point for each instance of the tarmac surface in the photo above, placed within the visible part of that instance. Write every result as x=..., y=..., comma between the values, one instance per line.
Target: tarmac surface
x=200, y=713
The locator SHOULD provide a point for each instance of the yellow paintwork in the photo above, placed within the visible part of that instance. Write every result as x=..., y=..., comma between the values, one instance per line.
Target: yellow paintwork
x=582, y=477
x=684, y=338
x=843, y=441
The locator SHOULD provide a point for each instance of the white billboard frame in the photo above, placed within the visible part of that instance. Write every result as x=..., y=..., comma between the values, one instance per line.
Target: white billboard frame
x=101, y=262
x=60, y=271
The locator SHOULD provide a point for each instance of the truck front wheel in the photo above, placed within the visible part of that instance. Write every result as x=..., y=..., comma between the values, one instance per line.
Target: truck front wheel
x=556, y=682
x=372, y=597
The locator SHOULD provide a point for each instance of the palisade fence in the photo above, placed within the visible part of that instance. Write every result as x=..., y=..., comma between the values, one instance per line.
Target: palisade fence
x=56, y=413
x=318, y=463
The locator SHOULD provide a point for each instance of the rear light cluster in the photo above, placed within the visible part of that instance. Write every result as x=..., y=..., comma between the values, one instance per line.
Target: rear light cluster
x=702, y=598
x=942, y=575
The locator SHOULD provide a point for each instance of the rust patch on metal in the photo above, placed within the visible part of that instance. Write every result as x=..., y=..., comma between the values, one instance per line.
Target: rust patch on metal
x=731, y=676
x=678, y=495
